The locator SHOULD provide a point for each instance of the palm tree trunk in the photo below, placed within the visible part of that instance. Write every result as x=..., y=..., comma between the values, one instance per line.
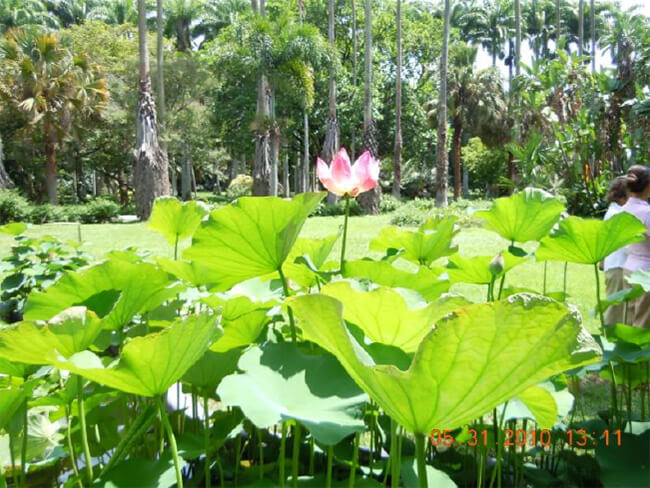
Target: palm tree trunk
x=331, y=144
x=160, y=86
x=261, y=163
x=304, y=168
x=456, y=142
x=592, y=25
x=397, y=157
x=370, y=199
x=5, y=180
x=285, y=174
x=355, y=74
x=558, y=25
x=517, y=36
x=50, y=157
x=581, y=27
x=151, y=178
x=441, y=152
x=275, y=160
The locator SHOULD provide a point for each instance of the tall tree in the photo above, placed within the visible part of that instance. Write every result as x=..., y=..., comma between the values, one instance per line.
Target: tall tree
x=369, y=200
x=441, y=149
x=355, y=73
x=160, y=82
x=305, y=165
x=581, y=27
x=517, y=37
x=5, y=180
x=397, y=156
x=151, y=178
x=592, y=25
x=51, y=86
x=331, y=143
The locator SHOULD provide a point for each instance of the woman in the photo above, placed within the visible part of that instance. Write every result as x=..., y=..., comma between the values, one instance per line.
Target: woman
x=638, y=254
x=614, y=263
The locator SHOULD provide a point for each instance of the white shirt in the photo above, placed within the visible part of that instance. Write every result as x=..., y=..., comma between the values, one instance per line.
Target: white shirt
x=617, y=258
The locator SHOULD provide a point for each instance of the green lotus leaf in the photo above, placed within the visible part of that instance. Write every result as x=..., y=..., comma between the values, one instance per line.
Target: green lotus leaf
x=143, y=473
x=115, y=290
x=525, y=216
x=641, y=278
x=588, y=241
x=207, y=372
x=13, y=228
x=251, y=237
x=68, y=333
x=280, y=383
x=242, y=319
x=476, y=269
x=43, y=441
x=385, y=317
x=424, y=281
x=431, y=241
x=625, y=465
x=540, y=403
x=11, y=399
x=436, y=478
x=176, y=220
x=627, y=333
x=317, y=250
x=474, y=359
x=149, y=365
x=188, y=271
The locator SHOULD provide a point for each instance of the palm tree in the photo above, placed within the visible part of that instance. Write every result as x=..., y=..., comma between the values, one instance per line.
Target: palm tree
x=369, y=200
x=160, y=83
x=115, y=12
x=304, y=169
x=397, y=157
x=355, y=72
x=581, y=27
x=592, y=24
x=331, y=143
x=182, y=16
x=441, y=150
x=50, y=85
x=24, y=13
x=70, y=12
x=488, y=25
x=151, y=178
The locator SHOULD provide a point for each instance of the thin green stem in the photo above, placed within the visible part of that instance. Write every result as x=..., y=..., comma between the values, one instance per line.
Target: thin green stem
x=503, y=280
x=292, y=322
x=84, y=432
x=312, y=458
x=422, y=467
x=23, y=451
x=260, y=446
x=355, y=460
x=172, y=441
x=544, y=282
x=176, y=248
x=566, y=267
x=330, y=459
x=600, y=309
x=345, y=230
x=394, y=455
x=14, y=472
x=283, y=444
x=73, y=455
x=295, y=454
x=206, y=441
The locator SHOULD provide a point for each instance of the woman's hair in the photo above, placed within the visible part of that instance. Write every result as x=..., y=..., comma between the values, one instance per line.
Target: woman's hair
x=638, y=178
x=617, y=190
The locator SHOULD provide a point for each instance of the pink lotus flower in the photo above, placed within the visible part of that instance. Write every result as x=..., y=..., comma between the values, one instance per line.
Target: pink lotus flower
x=342, y=178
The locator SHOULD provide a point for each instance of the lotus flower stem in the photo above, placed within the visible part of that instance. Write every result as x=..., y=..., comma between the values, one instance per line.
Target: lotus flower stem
x=330, y=459
x=292, y=322
x=73, y=456
x=260, y=443
x=23, y=451
x=84, y=432
x=394, y=455
x=283, y=443
x=295, y=455
x=206, y=440
x=600, y=310
x=311, y=456
x=172, y=441
x=345, y=230
x=14, y=472
x=422, y=466
x=355, y=460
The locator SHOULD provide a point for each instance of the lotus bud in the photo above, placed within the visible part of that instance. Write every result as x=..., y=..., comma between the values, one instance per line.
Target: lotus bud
x=497, y=265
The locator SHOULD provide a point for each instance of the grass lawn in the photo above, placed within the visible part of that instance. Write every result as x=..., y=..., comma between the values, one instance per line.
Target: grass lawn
x=101, y=238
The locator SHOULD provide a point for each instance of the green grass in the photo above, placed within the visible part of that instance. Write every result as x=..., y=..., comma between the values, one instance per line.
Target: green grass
x=101, y=238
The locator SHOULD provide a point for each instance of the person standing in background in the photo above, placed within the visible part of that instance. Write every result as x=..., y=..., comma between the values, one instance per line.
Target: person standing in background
x=638, y=254
x=614, y=264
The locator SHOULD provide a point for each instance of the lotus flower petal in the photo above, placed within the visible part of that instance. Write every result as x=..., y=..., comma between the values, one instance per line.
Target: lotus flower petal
x=366, y=170
x=343, y=179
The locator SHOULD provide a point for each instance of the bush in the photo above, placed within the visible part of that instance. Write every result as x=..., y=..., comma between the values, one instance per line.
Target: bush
x=416, y=212
x=98, y=211
x=388, y=203
x=13, y=207
x=240, y=186
x=42, y=214
x=338, y=208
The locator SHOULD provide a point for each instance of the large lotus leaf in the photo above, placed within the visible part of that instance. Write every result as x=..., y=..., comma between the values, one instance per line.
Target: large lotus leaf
x=627, y=333
x=11, y=399
x=242, y=319
x=149, y=365
x=540, y=403
x=476, y=269
x=43, y=441
x=13, y=228
x=142, y=473
x=208, y=371
x=176, y=220
x=525, y=216
x=473, y=360
x=424, y=281
x=385, y=317
x=641, y=278
x=69, y=332
x=430, y=242
x=625, y=465
x=116, y=290
x=281, y=383
x=251, y=237
x=588, y=241
x=317, y=250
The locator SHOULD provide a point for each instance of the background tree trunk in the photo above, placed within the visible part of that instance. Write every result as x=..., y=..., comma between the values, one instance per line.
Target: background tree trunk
x=285, y=174
x=397, y=157
x=581, y=27
x=369, y=200
x=275, y=160
x=151, y=178
x=355, y=75
x=441, y=149
x=517, y=37
x=303, y=184
x=456, y=143
x=331, y=143
x=50, y=161
x=558, y=25
x=592, y=25
x=5, y=180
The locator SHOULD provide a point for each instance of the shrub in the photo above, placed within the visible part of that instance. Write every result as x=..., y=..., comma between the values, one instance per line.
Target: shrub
x=240, y=186
x=416, y=212
x=13, y=207
x=388, y=203
x=42, y=214
x=97, y=211
x=338, y=208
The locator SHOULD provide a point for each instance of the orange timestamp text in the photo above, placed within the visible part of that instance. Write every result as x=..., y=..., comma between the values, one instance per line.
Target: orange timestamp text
x=522, y=437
